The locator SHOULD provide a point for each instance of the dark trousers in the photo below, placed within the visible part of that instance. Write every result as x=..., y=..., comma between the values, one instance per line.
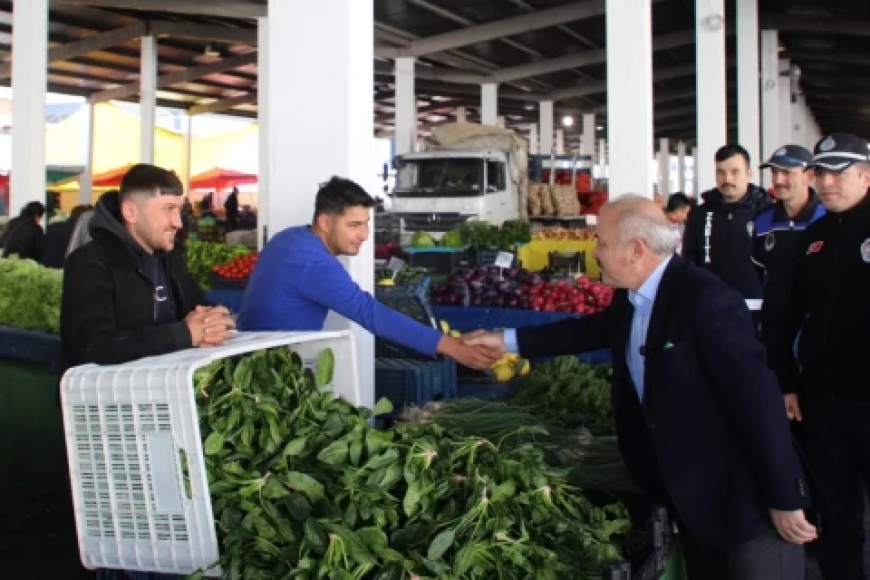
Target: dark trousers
x=836, y=437
x=767, y=557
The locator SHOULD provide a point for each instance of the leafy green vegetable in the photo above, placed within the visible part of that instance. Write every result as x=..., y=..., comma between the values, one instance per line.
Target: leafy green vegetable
x=203, y=256
x=30, y=295
x=303, y=486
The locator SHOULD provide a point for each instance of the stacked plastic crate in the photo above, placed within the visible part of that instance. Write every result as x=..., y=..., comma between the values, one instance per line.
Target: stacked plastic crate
x=403, y=375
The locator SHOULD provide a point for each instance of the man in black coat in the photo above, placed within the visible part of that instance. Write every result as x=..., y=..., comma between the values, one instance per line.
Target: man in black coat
x=699, y=417
x=128, y=293
x=24, y=236
x=718, y=234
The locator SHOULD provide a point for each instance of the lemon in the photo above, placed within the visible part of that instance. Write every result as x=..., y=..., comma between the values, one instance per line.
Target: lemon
x=522, y=367
x=503, y=372
x=387, y=282
x=511, y=357
x=445, y=328
x=455, y=333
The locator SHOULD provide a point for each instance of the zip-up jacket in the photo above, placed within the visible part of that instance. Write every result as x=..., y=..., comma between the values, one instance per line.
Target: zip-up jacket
x=775, y=247
x=718, y=238
x=119, y=302
x=830, y=309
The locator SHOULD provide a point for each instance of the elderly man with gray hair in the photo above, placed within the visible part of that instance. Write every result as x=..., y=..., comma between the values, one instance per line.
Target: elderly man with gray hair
x=698, y=414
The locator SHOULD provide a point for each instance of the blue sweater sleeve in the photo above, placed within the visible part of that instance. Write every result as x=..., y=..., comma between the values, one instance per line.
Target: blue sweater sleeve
x=329, y=284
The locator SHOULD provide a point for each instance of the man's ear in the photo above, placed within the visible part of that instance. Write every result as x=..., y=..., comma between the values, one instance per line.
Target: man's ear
x=129, y=211
x=324, y=222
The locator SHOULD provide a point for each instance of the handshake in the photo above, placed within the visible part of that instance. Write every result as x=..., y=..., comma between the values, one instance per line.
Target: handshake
x=478, y=350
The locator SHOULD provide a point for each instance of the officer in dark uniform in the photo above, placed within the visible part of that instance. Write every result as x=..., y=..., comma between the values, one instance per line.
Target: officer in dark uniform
x=778, y=230
x=829, y=315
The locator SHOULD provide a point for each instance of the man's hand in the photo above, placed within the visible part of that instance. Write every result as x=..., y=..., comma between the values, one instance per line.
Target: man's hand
x=792, y=408
x=478, y=357
x=491, y=340
x=793, y=526
x=209, y=326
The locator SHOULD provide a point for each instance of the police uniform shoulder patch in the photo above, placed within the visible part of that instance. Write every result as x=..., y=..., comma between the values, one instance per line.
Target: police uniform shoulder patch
x=865, y=250
x=769, y=241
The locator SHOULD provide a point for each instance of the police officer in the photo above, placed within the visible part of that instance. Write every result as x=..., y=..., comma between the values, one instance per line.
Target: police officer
x=778, y=230
x=829, y=314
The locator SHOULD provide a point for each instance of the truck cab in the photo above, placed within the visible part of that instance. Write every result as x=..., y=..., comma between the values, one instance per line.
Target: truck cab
x=440, y=190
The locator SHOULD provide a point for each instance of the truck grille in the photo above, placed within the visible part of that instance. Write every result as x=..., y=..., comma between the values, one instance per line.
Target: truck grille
x=433, y=222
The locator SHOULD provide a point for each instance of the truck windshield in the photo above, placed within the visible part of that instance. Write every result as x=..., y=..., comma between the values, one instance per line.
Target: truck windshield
x=440, y=177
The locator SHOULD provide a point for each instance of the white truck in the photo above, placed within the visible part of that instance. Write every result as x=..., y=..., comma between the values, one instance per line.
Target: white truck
x=468, y=172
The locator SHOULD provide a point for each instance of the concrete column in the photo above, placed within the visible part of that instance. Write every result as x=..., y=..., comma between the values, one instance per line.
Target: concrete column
x=602, y=158
x=748, y=93
x=148, y=97
x=560, y=141
x=265, y=158
x=86, y=181
x=786, y=131
x=460, y=114
x=712, y=88
x=547, y=138
x=29, y=85
x=488, y=104
x=681, y=166
x=695, y=174
x=334, y=136
x=406, y=106
x=188, y=154
x=770, y=81
x=629, y=96
x=533, y=138
x=588, y=135
x=664, y=159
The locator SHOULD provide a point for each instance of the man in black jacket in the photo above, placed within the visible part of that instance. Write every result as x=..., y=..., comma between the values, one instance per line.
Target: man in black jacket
x=128, y=294
x=778, y=231
x=24, y=236
x=718, y=234
x=830, y=312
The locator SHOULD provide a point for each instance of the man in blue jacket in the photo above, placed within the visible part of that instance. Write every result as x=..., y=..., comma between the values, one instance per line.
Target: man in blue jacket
x=298, y=280
x=698, y=415
x=718, y=234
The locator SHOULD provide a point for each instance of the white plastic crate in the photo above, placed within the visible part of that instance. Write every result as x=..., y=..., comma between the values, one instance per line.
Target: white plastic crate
x=127, y=428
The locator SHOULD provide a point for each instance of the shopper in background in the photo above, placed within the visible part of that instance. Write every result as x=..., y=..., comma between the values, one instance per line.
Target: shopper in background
x=231, y=206
x=718, y=233
x=778, y=231
x=829, y=315
x=58, y=235
x=677, y=212
x=698, y=414
x=24, y=236
x=298, y=280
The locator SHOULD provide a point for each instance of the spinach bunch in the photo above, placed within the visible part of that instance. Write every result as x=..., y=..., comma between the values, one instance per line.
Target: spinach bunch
x=303, y=487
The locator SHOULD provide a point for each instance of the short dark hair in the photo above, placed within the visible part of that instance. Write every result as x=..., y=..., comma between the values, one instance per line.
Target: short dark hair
x=150, y=179
x=338, y=194
x=731, y=150
x=34, y=209
x=678, y=201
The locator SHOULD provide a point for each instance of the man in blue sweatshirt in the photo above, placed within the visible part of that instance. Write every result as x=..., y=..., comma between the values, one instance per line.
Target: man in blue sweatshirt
x=298, y=280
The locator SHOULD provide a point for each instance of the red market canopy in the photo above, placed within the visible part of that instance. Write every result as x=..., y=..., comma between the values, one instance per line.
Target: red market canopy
x=111, y=178
x=219, y=179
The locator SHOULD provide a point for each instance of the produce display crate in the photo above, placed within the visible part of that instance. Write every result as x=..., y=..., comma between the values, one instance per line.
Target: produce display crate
x=29, y=345
x=406, y=382
x=221, y=283
x=135, y=454
x=411, y=300
x=440, y=262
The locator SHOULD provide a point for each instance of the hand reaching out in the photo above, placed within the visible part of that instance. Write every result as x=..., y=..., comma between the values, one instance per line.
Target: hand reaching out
x=478, y=357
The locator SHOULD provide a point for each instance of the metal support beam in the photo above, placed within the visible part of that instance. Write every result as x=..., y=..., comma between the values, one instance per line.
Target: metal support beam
x=176, y=78
x=499, y=29
x=206, y=32
x=548, y=66
x=223, y=104
x=219, y=8
x=88, y=45
x=833, y=26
